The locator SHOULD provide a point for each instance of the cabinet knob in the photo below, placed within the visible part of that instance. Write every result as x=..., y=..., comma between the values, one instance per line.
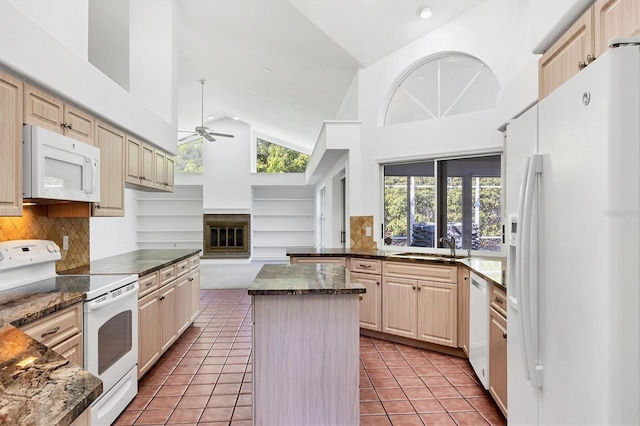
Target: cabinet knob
x=419, y=288
x=161, y=297
x=590, y=58
x=582, y=65
x=377, y=282
x=504, y=335
x=498, y=300
x=466, y=278
x=413, y=287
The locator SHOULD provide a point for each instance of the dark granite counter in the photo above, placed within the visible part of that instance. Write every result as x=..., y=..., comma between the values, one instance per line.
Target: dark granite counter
x=38, y=386
x=141, y=262
x=488, y=267
x=304, y=279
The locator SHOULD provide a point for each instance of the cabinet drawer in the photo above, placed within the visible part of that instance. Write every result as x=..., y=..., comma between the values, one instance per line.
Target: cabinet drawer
x=148, y=283
x=448, y=274
x=71, y=349
x=368, y=266
x=313, y=259
x=56, y=327
x=182, y=267
x=194, y=262
x=167, y=274
x=499, y=300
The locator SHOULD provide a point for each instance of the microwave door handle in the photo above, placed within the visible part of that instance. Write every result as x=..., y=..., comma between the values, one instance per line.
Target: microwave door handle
x=94, y=167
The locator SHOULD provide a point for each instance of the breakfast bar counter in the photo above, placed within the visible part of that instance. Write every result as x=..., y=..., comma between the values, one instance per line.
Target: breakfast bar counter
x=305, y=345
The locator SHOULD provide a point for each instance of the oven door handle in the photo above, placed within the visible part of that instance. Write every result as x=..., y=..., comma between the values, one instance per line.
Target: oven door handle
x=99, y=304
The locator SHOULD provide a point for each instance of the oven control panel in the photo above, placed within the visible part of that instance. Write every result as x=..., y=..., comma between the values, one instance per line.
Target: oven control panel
x=22, y=252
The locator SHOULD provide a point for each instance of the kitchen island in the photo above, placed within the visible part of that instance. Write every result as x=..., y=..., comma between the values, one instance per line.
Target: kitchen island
x=305, y=345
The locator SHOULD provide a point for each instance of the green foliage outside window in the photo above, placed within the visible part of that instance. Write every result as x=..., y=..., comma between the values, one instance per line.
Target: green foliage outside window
x=273, y=158
x=189, y=159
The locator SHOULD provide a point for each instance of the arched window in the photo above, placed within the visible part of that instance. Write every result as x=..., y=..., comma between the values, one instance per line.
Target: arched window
x=449, y=84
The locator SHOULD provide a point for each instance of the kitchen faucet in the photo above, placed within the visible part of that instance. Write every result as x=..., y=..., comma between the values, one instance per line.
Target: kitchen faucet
x=451, y=243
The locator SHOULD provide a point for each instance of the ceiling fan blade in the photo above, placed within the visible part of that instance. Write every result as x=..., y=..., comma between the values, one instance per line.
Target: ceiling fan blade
x=186, y=131
x=224, y=135
x=187, y=137
x=208, y=137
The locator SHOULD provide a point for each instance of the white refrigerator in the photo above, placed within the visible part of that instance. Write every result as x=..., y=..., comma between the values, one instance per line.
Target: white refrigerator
x=573, y=278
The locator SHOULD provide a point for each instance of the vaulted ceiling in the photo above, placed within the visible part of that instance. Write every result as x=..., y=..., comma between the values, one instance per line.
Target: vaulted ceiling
x=285, y=66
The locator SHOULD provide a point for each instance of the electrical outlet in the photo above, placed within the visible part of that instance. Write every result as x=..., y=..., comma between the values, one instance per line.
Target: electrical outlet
x=367, y=231
x=65, y=242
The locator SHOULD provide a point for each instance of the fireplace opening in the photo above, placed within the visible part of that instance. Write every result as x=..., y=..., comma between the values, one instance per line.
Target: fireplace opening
x=226, y=236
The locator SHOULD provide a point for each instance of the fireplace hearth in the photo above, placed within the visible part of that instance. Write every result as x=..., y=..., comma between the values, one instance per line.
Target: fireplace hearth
x=226, y=236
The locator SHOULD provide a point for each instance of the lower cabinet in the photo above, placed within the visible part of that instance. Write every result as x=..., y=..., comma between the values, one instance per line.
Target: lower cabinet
x=498, y=348
x=421, y=309
x=370, y=304
x=463, y=309
x=168, y=305
x=61, y=331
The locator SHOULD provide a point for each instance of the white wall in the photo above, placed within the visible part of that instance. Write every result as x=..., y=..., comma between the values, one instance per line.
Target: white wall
x=29, y=50
x=227, y=166
x=349, y=106
x=114, y=235
x=332, y=209
x=109, y=26
x=67, y=21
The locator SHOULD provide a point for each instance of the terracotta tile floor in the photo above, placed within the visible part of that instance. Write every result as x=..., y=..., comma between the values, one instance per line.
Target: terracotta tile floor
x=205, y=378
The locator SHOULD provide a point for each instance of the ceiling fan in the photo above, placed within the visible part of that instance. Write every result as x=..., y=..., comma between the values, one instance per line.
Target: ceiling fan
x=202, y=130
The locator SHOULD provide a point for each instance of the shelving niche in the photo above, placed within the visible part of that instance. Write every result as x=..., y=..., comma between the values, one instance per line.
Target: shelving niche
x=283, y=217
x=170, y=220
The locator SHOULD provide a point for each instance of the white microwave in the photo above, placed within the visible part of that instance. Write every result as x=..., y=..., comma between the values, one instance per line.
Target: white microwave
x=56, y=167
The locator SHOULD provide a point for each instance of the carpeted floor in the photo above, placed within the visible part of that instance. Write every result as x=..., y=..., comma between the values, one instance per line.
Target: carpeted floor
x=233, y=275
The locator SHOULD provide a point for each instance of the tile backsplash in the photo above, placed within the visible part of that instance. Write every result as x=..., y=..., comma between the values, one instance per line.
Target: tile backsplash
x=35, y=224
x=358, y=230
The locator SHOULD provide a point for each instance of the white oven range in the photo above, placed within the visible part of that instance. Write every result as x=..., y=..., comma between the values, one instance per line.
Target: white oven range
x=110, y=329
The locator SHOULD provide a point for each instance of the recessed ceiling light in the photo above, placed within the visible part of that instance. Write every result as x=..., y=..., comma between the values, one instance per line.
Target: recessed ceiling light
x=211, y=117
x=425, y=12
x=267, y=70
x=235, y=117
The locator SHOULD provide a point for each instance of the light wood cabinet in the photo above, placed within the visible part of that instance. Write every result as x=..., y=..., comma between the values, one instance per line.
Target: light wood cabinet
x=371, y=302
x=169, y=321
x=149, y=332
x=183, y=303
x=311, y=260
x=194, y=278
x=586, y=40
x=164, y=166
x=148, y=283
x=614, y=18
x=11, y=147
x=438, y=313
x=111, y=142
x=400, y=307
x=140, y=163
x=463, y=309
x=44, y=110
x=420, y=301
x=61, y=331
x=498, y=359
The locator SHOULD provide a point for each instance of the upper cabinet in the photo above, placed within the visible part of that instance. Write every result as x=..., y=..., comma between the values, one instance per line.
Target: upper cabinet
x=140, y=163
x=164, y=171
x=44, y=110
x=111, y=142
x=11, y=146
x=586, y=40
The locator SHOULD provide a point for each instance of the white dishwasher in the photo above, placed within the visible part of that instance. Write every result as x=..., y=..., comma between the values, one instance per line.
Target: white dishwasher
x=479, y=328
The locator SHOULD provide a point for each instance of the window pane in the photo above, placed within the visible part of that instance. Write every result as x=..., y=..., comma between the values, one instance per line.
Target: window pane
x=454, y=210
x=486, y=213
x=274, y=158
x=423, y=223
x=189, y=159
x=395, y=210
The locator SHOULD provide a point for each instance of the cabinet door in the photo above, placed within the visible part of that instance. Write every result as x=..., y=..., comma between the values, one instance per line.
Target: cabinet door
x=463, y=310
x=168, y=312
x=11, y=146
x=561, y=61
x=399, y=307
x=615, y=18
x=183, y=303
x=371, y=303
x=79, y=125
x=147, y=165
x=71, y=349
x=159, y=172
x=438, y=313
x=149, y=332
x=498, y=360
x=169, y=170
x=111, y=143
x=194, y=277
x=134, y=160
x=42, y=109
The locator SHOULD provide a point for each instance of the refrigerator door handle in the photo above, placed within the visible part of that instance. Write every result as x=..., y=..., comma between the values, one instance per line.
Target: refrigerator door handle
x=534, y=280
x=519, y=286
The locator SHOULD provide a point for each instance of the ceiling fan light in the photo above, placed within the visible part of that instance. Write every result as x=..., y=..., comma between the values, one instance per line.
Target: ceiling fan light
x=424, y=12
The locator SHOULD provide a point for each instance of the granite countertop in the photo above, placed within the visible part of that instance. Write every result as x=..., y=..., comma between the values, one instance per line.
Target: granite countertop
x=50, y=390
x=141, y=262
x=488, y=267
x=304, y=279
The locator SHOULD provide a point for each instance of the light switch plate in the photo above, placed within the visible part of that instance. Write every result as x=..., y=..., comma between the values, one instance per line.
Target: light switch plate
x=65, y=242
x=367, y=231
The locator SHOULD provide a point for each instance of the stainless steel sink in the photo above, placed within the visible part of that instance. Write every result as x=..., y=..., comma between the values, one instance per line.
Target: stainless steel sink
x=427, y=256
